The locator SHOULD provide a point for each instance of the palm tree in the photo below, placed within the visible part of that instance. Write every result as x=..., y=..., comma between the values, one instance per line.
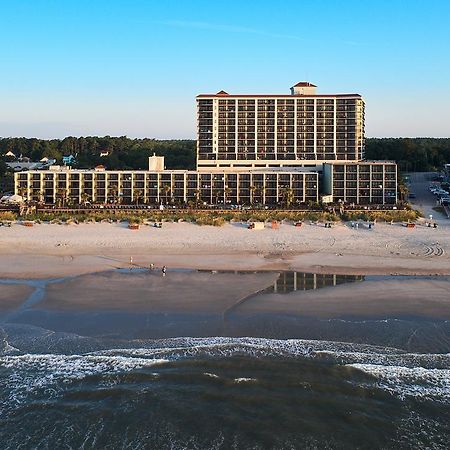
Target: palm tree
x=85, y=198
x=23, y=192
x=254, y=191
x=288, y=196
x=402, y=189
x=197, y=197
x=61, y=194
x=226, y=192
x=167, y=189
x=216, y=195
x=113, y=193
x=138, y=194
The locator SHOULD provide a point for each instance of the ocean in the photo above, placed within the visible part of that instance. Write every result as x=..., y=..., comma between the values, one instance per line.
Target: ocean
x=339, y=384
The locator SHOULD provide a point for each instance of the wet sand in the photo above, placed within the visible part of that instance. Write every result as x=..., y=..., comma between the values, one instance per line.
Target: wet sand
x=12, y=296
x=225, y=293
x=409, y=313
x=386, y=298
x=149, y=291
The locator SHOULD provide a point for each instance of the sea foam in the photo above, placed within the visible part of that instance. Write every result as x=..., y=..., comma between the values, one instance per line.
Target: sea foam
x=418, y=382
x=394, y=370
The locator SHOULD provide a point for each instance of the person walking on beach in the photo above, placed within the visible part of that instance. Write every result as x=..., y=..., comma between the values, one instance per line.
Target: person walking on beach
x=164, y=270
x=131, y=262
x=152, y=266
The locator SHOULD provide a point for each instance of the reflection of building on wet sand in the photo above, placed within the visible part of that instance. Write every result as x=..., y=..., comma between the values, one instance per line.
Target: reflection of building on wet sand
x=301, y=281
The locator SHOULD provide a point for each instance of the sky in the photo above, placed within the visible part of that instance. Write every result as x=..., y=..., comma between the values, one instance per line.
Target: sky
x=134, y=67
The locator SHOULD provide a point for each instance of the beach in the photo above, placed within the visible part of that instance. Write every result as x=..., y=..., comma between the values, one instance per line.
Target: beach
x=58, y=250
x=228, y=281
x=222, y=279
x=329, y=338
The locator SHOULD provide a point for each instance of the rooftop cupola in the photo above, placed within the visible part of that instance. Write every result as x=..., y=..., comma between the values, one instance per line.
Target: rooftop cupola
x=303, y=88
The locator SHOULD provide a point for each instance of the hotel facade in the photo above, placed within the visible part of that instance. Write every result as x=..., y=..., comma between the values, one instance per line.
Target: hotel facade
x=177, y=187
x=287, y=150
x=303, y=129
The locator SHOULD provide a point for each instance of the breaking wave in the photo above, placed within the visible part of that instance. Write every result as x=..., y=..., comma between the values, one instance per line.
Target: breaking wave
x=393, y=370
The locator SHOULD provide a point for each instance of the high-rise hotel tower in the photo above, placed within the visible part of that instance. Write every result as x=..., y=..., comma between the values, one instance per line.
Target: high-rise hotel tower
x=302, y=129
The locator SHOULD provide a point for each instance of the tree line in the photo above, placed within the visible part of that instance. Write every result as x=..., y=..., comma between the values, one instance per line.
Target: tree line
x=122, y=152
x=412, y=154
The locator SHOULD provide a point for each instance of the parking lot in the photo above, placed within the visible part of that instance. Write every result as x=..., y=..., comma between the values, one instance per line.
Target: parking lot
x=419, y=184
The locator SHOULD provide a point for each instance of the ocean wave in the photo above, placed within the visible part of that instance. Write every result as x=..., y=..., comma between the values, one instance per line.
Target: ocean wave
x=403, y=382
x=338, y=352
x=400, y=373
x=395, y=370
x=27, y=374
x=275, y=346
x=245, y=380
x=211, y=375
x=5, y=347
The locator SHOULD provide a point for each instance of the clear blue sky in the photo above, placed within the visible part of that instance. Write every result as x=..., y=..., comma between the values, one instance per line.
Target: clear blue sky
x=134, y=67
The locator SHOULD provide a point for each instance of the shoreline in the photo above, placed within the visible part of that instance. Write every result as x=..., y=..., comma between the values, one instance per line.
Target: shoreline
x=139, y=305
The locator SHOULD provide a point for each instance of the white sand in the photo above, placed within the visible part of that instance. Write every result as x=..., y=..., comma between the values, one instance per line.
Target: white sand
x=52, y=250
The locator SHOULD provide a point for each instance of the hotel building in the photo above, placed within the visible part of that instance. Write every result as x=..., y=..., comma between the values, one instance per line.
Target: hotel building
x=287, y=150
x=178, y=187
x=303, y=129
x=361, y=183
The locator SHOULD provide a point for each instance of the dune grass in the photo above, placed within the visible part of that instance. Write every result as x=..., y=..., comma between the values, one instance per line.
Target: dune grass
x=214, y=218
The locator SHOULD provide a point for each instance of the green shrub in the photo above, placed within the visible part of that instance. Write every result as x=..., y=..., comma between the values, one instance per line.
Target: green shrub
x=386, y=216
x=215, y=218
x=135, y=220
x=210, y=220
x=8, y=215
